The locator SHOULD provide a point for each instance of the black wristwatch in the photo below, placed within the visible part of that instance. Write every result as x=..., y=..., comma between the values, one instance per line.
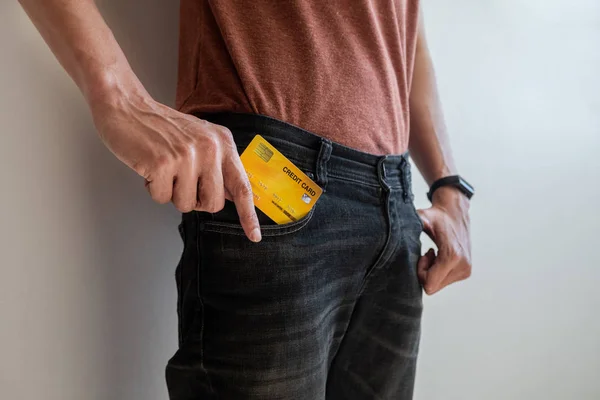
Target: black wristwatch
x=456, y=181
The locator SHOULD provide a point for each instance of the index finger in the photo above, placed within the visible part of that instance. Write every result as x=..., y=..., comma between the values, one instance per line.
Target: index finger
x=238, y=186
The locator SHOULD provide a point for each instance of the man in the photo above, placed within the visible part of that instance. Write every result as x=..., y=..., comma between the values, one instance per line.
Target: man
x=326, y=307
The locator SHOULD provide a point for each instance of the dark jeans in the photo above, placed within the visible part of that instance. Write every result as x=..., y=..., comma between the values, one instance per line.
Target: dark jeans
x=327, y=307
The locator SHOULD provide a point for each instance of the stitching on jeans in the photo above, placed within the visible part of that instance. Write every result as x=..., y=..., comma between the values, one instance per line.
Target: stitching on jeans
x=178, y=278
x=388, y=219
x=377, y=265
x=373, y=185
x=416, y=214
x=322, y=161
x=201, y=301
x=344, y=331
x=267, y=231
x=342, y=178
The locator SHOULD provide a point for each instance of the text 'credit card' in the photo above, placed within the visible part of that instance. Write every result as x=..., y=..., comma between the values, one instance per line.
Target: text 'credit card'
x=281, y=190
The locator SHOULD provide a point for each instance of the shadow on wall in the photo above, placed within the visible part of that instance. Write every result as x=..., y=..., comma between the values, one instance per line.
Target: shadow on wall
x=102, y=291
x=140, y=288
x=135, y=246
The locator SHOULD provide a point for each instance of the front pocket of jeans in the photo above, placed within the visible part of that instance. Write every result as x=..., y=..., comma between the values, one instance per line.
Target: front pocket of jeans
x=232, y=228
x=417, y=216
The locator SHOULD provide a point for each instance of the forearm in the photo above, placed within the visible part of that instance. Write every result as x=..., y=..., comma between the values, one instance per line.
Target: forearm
x=429, y=143
x=85, y=46
x=182, y=159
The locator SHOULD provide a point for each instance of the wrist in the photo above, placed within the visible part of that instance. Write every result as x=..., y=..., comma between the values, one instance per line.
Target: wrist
x=443, y=171
x=451, y=199
x=110, y=89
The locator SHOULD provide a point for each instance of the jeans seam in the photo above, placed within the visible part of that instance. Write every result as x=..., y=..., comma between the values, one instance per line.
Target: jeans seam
x=179, y=280
x=388, y=219
x=416, y=214
x=354, y=181
x=201, y=301
x=405, y=175
x=179, y=307
x=382, y=259
x=343, y=336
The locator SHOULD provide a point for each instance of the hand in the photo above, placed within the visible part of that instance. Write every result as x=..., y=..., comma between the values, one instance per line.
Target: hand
x=447, y=224
x=186, y=160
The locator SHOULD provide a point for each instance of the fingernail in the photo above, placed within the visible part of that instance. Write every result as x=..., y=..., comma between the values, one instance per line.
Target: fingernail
x=255, y=235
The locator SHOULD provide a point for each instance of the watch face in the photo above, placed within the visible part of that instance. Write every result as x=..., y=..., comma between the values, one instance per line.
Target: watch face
x=466, y=186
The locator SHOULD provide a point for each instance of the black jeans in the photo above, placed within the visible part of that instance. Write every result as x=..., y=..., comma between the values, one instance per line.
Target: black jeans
x=327, y=307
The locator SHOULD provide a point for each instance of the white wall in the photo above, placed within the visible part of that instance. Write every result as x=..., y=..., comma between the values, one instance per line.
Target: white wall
x=87, y=299
x=521, y=88
x=87, y=289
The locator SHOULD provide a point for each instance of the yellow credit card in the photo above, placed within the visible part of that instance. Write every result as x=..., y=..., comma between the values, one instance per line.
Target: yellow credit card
x=283, y=192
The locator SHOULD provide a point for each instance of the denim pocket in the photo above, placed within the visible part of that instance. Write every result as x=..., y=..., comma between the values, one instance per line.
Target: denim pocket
x=227, y=222
x=417, y=216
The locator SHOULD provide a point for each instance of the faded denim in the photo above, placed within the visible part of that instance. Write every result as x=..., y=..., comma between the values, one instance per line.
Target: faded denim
x=328, y=307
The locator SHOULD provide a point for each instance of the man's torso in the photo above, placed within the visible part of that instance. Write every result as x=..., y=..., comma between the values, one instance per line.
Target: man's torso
x=339, y=68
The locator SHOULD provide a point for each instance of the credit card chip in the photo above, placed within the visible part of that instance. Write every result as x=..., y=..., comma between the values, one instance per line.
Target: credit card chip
x=263, y=152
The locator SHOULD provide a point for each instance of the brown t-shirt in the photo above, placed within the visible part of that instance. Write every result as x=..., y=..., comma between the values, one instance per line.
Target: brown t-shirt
x=339, y=68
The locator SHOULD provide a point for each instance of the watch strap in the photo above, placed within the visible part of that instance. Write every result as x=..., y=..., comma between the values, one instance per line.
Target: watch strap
x=455, y=181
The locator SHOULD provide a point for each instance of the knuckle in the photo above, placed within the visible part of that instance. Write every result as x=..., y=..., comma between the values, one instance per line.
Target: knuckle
x=225, y=133
x=141, y=169
x=247, y=215
x=189, y=150
x=211, y=203
x=243, y=189
x=247, y=219
x=227, y=140
x=184, y=206
x=162, y=162
x=467, y=272
x=210, y=144
x=214, y=208
x=183, y=151
x=160, y=198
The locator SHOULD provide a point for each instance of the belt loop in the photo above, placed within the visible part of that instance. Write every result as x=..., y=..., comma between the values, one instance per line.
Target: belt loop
x=322, y=159
x=405, y=173
x=381, y=174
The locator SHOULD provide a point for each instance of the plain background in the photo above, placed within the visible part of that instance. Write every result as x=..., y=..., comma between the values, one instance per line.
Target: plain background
x=87, y=295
